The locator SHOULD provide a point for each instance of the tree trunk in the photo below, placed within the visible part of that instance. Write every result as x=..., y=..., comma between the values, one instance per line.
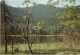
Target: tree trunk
x=28, y=38
x=5, y=41
x=12, y=45
x=5, y=30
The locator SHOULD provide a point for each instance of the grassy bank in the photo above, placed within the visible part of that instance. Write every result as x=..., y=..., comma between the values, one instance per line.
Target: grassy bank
x=45, y=48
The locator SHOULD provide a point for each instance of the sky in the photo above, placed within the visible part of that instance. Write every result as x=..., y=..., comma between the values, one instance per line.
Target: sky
x=18, y=3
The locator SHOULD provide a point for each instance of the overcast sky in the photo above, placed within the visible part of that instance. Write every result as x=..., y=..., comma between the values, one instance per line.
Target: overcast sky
x=18, y=3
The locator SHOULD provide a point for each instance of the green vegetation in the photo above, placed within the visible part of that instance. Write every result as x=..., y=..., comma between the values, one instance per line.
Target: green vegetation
x=45, y=48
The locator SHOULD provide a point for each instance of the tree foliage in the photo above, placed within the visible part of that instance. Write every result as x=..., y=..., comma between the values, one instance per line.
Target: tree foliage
x=53, y=2
x=70, y=19
x=70, y=16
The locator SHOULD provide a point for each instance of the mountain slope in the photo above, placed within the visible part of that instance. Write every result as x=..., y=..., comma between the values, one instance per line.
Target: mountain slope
x=39, y=13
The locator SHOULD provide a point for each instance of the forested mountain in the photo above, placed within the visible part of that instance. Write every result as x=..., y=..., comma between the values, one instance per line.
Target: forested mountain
x=39, y=13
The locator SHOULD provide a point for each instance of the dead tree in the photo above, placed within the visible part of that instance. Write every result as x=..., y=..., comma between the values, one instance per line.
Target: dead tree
x=4, y=22
x=6, y=17
x=23, y=30
x=27, y=38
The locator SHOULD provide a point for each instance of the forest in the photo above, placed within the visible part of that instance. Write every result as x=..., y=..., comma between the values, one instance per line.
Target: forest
x=41, y=28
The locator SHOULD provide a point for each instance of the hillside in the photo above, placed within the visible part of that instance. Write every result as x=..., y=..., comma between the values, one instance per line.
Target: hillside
x=39, y=13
